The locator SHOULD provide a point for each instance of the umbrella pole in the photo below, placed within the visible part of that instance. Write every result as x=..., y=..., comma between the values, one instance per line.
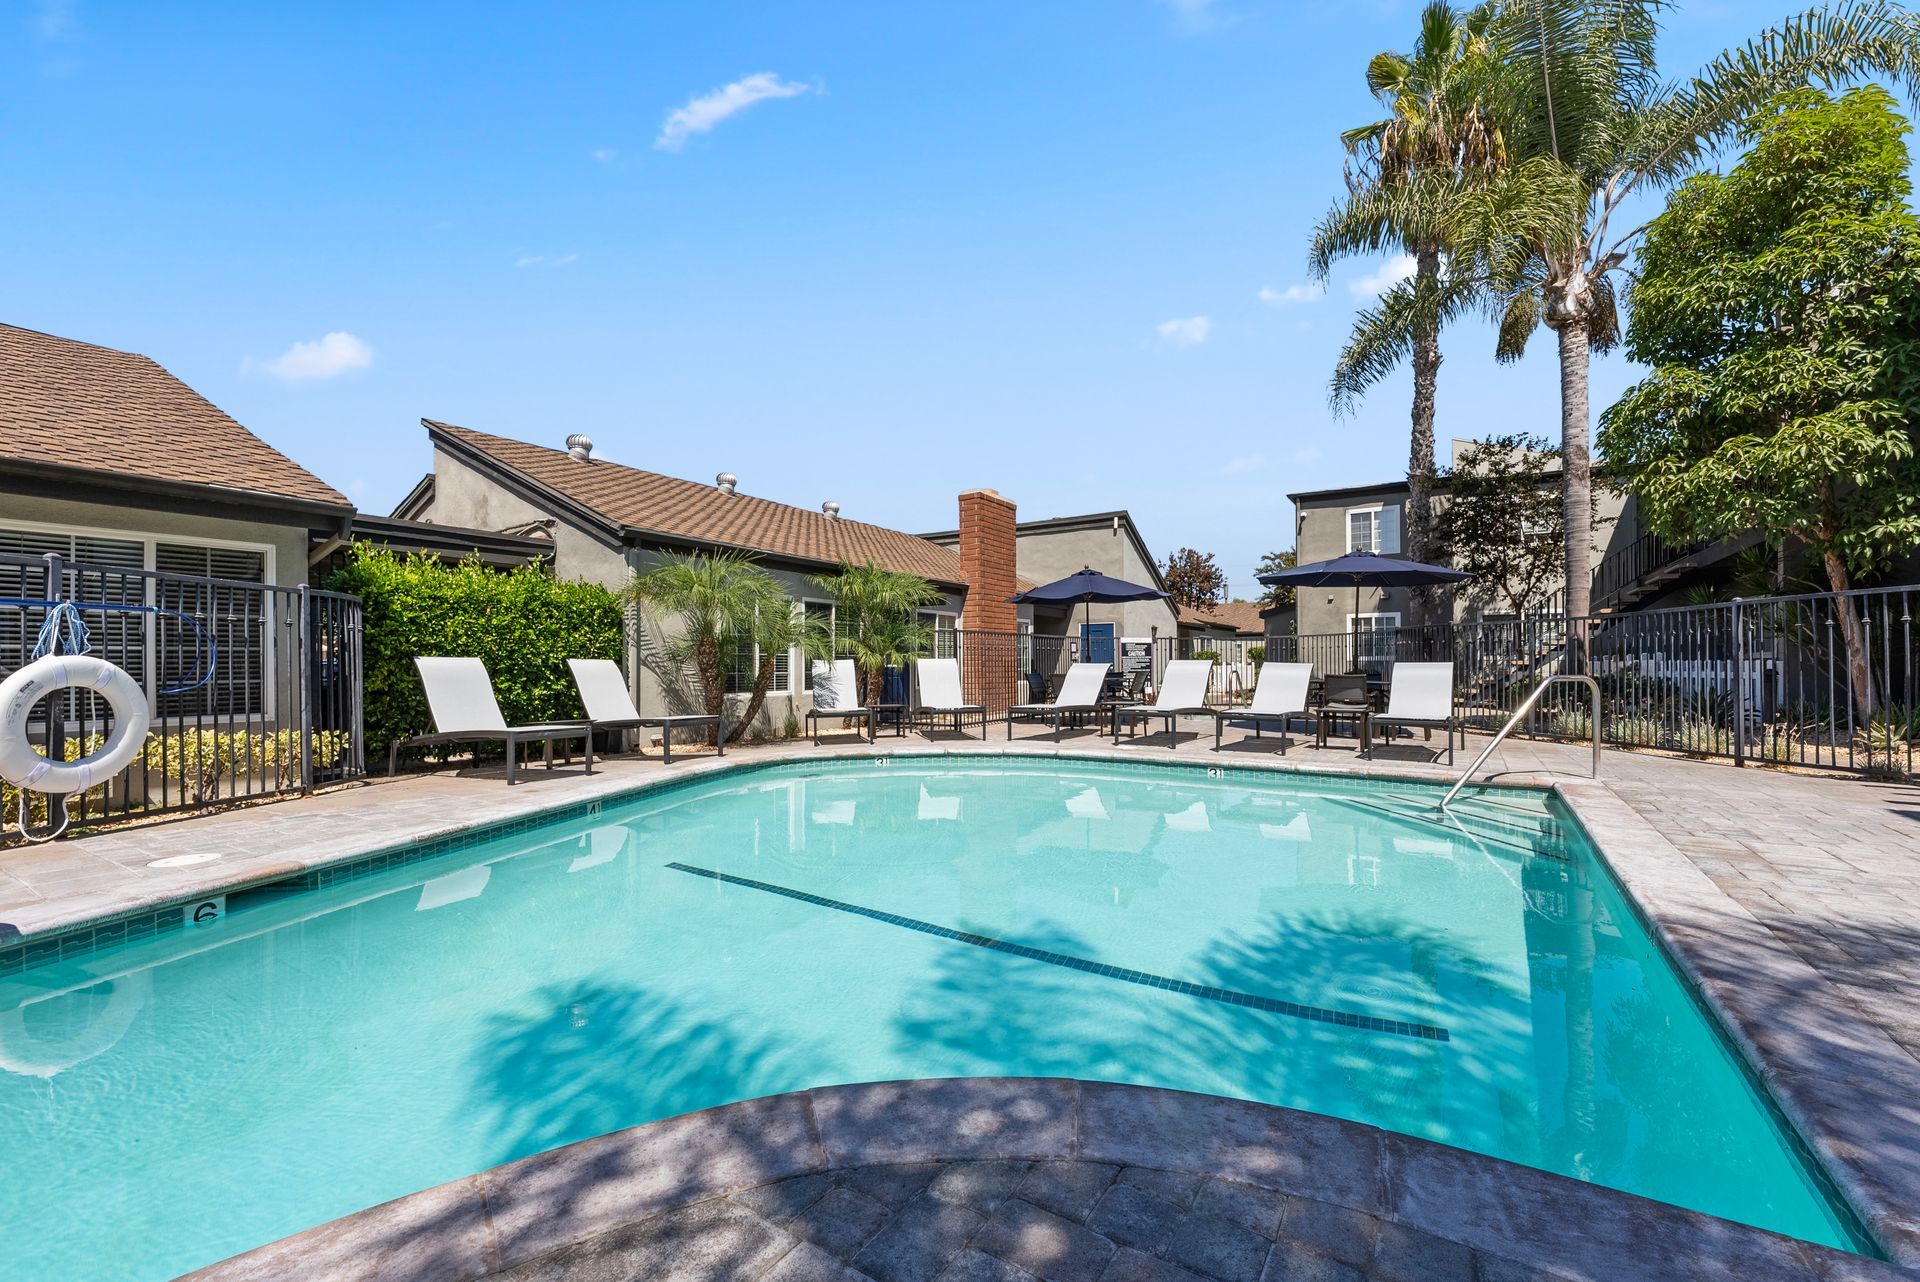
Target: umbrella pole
x=1353, y=644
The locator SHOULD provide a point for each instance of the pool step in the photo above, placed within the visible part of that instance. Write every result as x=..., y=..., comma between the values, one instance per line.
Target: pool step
x=1542, y=835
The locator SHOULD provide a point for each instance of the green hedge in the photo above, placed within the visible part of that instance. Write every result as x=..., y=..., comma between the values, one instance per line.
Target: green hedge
x=523, y=624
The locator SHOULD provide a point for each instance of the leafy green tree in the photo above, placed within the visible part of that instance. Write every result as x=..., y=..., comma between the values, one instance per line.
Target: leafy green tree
x=1281, y=593
x=1194, y=579
x=1779, y=307
x=1438, y=127
x=721, y=601
x=878, y=627
x=1589, y=124
x=1500, y=521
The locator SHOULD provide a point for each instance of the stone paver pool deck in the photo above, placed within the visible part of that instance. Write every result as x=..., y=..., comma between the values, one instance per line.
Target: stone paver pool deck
x=1788, y=901
x=1017, y=1179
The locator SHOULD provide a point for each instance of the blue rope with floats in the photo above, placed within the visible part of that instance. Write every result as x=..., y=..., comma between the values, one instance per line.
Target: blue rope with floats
x=64, y=631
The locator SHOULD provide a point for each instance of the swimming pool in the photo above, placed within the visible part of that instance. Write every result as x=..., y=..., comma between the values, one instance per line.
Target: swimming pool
x=1321, y=943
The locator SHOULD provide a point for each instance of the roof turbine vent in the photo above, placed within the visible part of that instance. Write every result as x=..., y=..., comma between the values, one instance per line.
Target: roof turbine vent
x=726, y=482
x=832, y=510
x=579, y=447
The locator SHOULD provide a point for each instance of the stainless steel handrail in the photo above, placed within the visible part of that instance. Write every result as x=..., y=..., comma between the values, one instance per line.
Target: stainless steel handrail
x=1526, y=706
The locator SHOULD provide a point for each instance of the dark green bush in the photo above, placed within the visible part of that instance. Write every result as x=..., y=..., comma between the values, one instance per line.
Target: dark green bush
x=523, y=624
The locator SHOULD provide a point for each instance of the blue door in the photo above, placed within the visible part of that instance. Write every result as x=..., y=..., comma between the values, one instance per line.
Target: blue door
x=1096, y=643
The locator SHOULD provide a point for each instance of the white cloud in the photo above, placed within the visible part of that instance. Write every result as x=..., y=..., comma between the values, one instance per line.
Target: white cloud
x=708, y=109
x=1198, y=15
x=1307, y=454
x=1185, y=331
x=326, y=357
x=1396, y=269
x=1291, y=294
x=541, y=260
x=1242, y=466
x=1195, y=14
x=605, y=155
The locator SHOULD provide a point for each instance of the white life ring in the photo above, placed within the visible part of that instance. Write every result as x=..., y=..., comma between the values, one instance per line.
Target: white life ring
x=23, y=766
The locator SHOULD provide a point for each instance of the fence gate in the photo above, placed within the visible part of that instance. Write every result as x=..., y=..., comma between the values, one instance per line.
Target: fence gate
x=254, y=689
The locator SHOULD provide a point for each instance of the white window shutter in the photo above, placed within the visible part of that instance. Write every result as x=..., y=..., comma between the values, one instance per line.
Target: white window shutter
x=1389, y=528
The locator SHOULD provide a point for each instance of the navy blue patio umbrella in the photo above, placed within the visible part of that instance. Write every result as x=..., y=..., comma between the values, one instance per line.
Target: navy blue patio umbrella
x=1358, y=570
x=1088, y=586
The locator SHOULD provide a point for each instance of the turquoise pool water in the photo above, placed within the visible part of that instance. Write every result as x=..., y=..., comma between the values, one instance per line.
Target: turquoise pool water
x=1314, y=942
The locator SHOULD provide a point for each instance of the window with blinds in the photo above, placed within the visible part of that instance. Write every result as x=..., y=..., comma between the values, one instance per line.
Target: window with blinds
x=236, y=619
x=821, y=614
x=98, y=571
x=160, y=650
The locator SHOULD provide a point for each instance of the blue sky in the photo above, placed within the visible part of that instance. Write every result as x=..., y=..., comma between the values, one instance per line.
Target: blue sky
x=870, y=252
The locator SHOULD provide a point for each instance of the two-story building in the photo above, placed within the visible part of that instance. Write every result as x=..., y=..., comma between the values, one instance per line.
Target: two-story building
x=1370, y=518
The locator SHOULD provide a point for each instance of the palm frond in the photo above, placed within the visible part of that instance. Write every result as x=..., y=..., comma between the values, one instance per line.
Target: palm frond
x=1848, y=38
x=1603, y=318
x=1517, y=324
x=1383, y=333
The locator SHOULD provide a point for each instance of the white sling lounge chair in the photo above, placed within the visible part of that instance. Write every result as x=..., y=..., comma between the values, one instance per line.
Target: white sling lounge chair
x=1421, y=695
x=836, y=693
x=460, y=697
x=1280, y=695
x=603, y=693
x=940, y=696
x=1182, y=693
x=1079, y=695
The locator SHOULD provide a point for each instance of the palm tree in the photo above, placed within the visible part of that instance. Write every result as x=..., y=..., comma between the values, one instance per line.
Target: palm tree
x=876, y=625
x=1438, y=131
x=1589, y=124
x=721, y=601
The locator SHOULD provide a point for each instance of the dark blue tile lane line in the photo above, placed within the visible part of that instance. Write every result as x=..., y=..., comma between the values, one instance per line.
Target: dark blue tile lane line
x=1226, y=996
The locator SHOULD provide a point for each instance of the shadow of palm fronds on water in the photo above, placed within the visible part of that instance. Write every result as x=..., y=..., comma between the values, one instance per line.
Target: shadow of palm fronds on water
x=579, y=1060
x=1366, y=965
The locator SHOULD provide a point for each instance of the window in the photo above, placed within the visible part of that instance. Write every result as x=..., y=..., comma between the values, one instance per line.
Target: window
x=161, y=650
x=822, y=614
x=118, y=636
x=235, y=619
x=945, y=632
x=1373, y=638
x=1374, y=529
x=743, y=668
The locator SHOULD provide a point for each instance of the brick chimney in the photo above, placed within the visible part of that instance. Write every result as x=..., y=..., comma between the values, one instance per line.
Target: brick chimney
x=986, y=559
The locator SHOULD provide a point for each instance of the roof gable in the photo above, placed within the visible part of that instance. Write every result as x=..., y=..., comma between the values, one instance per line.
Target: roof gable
x=69, y=404
x=644, y=503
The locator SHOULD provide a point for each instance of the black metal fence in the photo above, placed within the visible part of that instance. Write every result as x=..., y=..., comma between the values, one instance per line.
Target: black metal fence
x=253, y=689
x=1822, y=680
x=1770, y=680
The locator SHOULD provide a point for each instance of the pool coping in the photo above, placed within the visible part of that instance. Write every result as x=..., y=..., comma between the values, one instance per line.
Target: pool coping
x=1843, y=1086
x=514, y=1214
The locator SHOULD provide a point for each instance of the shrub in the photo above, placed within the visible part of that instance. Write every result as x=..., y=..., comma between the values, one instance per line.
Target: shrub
x=92, y=801
x=1206, y=654
x=523, y=624
x=1256, y=655
x=1703, y=737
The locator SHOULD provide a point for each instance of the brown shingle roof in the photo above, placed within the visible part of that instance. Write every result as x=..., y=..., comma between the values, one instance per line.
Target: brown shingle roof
x=666, y=505
x=1241, y=616
x=72, y=404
